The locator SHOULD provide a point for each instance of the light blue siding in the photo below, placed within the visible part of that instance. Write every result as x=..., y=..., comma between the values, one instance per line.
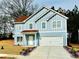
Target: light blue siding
x=48, y=31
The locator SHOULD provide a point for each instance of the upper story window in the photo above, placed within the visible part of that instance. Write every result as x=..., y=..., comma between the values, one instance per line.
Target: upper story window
x=56, y=24
x=43, y=25
x=30, y=26
x=18, y=27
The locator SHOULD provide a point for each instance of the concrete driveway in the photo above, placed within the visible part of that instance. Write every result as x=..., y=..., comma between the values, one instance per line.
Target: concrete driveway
x=48, y=52
x=44, y=52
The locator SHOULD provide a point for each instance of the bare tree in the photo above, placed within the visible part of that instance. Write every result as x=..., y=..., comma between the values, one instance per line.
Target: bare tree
x=13, y=9
x=16, y=8
x=5, y=25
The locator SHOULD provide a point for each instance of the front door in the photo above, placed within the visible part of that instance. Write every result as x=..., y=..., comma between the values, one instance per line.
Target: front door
x=30, y=40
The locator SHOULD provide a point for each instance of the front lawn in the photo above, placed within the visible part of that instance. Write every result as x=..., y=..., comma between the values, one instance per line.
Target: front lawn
x=9, y=48
x=7, y=58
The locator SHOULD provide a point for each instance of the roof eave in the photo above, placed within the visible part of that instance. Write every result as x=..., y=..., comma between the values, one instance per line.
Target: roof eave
x=18, y=22
x=58, y=13
x=37, y=12
x=29, y=17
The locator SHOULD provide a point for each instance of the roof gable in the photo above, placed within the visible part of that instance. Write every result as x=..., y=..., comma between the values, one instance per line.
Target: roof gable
x=56, y=13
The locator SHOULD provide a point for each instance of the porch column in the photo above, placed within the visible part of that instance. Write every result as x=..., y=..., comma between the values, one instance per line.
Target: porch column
x=15, y=40
x=24, y=40
x=35, y=42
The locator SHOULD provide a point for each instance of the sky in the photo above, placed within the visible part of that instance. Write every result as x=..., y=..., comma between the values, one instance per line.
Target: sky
x=64, y=4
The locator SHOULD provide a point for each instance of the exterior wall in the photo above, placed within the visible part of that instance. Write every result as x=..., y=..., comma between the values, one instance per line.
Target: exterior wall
x=18, y=28
x=34, y=18
x=48, y=32
x=49, y=24
x=17, y=33
x=63, y=23
x=38, y=25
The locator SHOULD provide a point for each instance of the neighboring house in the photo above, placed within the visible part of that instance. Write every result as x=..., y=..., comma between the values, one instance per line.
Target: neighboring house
x=46, y=27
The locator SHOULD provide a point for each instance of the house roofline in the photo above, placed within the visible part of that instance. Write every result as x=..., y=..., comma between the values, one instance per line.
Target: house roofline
x=38, y=12
x=57, y=13
x=30, y=16
x=51, y=17
x=42, y=16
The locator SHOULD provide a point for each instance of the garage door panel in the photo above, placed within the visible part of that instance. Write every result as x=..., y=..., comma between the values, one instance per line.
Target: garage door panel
x=51, y=41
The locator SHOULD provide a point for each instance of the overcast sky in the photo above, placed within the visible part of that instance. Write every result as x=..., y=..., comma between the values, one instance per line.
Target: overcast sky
x=65, y=4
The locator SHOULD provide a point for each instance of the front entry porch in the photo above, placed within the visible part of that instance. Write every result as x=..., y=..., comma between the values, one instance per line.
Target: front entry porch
x=31, y=37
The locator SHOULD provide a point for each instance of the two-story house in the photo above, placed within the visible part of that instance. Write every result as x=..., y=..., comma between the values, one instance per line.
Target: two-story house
x=45, y=27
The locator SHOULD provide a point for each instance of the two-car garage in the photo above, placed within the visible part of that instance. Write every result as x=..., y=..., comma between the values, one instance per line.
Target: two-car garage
x=51, y=41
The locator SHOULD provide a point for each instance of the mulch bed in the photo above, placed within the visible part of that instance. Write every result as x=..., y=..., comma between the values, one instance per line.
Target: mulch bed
x=27, y=51
x=73, y=51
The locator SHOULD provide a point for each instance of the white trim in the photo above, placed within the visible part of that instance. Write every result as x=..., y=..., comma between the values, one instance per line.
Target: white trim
x=55, y=24
x=60, y=23
x=18, y=27
x=50, y=31
x=45, y=25
x=57, y=13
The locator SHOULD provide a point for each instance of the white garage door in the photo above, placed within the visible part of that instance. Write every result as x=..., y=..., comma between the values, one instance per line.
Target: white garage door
x=51, y=41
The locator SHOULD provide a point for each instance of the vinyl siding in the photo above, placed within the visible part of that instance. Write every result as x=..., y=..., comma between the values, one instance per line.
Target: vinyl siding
x=48, y=31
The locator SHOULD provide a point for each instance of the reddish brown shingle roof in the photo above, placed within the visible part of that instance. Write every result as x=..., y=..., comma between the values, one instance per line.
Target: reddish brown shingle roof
x=30, y=31
x=21, y=18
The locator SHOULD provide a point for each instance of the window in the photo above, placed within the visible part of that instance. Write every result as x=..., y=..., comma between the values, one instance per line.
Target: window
x=19, y=39
x=58, y=24
x=54, y=24
x=30, y=26
x=18, y=27
x=43, y=25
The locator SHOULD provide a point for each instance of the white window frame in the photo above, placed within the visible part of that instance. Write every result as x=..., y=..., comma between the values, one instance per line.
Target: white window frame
x=56, y=24
x=29, y=26
x=45, y=25
x=18, y=27
x=60, y=24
